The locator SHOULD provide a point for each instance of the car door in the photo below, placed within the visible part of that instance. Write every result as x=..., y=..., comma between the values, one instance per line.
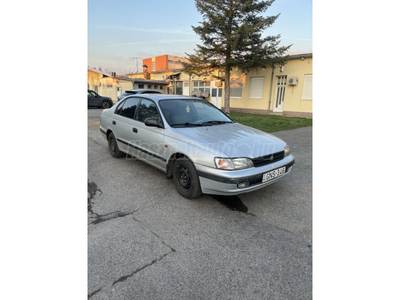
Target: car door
x=91, y=99
x=123, y=123
x=95, y=99
x=150, y=140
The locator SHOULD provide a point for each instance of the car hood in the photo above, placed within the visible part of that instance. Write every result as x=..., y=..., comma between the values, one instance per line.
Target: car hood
x=233, y=140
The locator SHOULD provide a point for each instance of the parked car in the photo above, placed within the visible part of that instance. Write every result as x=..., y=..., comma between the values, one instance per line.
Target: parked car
x=195, y=143
x=95, y=99
x=134, y=92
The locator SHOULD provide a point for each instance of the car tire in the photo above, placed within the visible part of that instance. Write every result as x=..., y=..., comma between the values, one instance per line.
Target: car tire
x=186, y=179
x=113, y=147
x=105, y=105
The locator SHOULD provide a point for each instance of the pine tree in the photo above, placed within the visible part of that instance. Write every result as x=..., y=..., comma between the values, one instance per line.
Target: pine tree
x=231, y=32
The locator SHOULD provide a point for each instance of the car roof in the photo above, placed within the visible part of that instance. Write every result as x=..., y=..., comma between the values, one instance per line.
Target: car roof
x=158, y=97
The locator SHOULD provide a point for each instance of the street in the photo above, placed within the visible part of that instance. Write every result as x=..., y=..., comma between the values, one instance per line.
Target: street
x=145, y=241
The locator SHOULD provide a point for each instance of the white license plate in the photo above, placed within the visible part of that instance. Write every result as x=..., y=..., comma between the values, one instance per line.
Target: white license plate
x=273, y=174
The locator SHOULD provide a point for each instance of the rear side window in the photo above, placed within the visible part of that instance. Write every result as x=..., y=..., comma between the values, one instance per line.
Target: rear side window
x=128, y=108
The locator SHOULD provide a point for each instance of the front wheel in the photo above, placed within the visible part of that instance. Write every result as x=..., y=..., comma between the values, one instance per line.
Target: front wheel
x=105, y=105
x=186, y=179
x=112, y=145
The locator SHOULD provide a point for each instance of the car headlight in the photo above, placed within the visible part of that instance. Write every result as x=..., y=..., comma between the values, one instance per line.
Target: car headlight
x=287, y=150
x=233, y=163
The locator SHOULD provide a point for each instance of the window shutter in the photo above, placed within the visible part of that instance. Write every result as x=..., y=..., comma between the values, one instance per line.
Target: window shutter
x=307, y=88
x=256, y=88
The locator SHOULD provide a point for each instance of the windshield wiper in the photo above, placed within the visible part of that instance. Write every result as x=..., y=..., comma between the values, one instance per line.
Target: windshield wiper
x=186, y=125
x=215, y=122
x=208, y=123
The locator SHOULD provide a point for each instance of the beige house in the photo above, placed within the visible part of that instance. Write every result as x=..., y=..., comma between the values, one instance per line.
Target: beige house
x=112, y=86
x=285, y=90
x=94, y=77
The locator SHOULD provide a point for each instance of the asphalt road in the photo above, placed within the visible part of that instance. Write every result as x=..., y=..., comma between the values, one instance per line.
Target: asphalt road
x=147, y=242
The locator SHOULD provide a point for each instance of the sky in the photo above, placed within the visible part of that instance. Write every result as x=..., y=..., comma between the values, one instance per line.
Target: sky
x=123, y=32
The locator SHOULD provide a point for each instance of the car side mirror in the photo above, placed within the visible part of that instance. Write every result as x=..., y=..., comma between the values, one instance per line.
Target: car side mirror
x=153, y=122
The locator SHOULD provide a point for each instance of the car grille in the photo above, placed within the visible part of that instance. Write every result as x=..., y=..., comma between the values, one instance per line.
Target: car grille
x=265, y=160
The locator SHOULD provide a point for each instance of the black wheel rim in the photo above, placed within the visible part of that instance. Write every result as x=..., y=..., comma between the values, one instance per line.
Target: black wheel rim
x=184, y=177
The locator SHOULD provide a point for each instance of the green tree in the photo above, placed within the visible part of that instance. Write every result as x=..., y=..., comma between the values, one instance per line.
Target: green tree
x=232, y=37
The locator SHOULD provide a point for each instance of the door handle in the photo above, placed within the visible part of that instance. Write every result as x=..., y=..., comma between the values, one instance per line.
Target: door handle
x=114, y=123
x=134, y=130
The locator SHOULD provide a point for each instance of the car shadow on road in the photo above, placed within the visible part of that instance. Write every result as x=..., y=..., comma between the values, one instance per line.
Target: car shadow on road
x=231, y=202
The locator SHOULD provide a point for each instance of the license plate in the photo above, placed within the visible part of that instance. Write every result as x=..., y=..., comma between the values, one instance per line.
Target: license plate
x=273, y=174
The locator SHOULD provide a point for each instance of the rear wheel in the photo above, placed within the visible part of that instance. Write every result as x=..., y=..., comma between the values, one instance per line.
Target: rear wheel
x=112, y=145
x=186, y=179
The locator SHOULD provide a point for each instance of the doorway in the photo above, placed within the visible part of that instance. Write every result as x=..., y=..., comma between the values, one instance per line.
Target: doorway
x=216, y=97
x=280, y=93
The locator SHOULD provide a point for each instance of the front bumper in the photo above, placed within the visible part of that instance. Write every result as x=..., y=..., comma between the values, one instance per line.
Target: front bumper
x=219, y=182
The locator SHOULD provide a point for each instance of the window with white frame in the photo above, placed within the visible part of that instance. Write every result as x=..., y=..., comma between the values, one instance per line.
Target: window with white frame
x=236, y=86
x=202, y=86
x=256, y=87
x=307, y=88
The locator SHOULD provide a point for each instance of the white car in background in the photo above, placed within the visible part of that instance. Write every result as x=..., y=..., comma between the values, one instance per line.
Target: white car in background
x=140, y=91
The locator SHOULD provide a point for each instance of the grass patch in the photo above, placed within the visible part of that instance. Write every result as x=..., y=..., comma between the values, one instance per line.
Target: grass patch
x=270, y=123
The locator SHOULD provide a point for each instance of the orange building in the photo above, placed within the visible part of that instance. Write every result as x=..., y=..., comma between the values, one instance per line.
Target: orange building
x=163, y=63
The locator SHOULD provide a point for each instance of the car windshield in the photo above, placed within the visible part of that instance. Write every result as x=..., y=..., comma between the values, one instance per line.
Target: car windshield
x=190, y=113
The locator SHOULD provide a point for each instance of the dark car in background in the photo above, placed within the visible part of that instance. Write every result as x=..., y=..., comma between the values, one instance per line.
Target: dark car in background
x=135, y=92
x=96, y=100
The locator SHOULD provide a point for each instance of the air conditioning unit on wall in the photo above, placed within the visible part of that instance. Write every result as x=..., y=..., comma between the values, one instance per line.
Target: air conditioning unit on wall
x=293, y=80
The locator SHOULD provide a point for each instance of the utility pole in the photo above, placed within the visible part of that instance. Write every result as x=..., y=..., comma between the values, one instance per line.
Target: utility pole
x=270, y=91
x=136, y=65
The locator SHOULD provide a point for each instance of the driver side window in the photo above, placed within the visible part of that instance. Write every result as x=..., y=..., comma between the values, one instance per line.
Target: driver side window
x=147, y=109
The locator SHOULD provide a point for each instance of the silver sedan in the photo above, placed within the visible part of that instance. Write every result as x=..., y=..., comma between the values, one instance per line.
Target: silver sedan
x=196, y=144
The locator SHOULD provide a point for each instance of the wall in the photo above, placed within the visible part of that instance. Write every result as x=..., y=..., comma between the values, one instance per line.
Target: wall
x=109, y=87
x=136, y=75
x=293, y=102
x=162, y=64
x=93, y=79
x=175, y=65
